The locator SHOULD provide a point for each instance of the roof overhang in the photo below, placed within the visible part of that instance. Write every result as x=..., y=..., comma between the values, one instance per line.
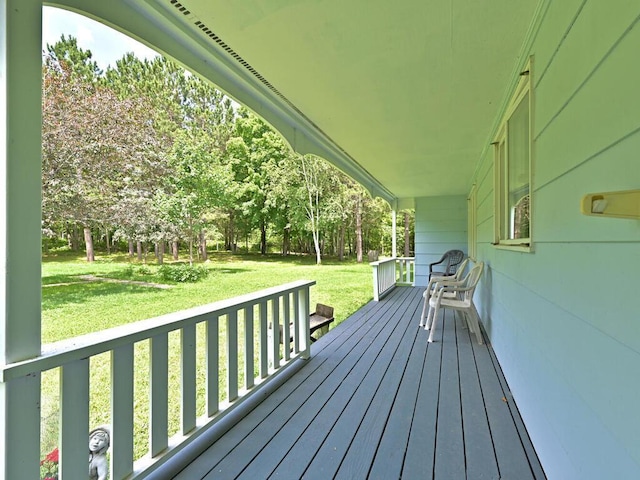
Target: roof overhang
x=402, y=96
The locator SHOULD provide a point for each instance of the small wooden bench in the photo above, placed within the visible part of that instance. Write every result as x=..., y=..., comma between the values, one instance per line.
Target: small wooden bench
x=320, y=319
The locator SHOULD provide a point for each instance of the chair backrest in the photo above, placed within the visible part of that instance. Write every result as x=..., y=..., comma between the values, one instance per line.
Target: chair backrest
x=324, y=310
x=461, y=268
x=452, y=259
x=471, y=282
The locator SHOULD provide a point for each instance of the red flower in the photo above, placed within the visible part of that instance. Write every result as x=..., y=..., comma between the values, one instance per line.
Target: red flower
x=53, y=456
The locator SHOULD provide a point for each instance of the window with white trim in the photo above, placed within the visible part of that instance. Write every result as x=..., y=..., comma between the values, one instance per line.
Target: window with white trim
x=513, y=169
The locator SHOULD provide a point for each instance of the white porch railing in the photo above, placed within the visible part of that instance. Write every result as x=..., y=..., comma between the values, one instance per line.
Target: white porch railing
x=391, y=272
x=284, y=305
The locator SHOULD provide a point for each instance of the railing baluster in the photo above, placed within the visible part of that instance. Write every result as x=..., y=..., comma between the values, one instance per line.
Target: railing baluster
x=248, y=348
x=74, y=418
x=21, y=380
x=275, y=321
x=122, y=411
x=264, y=347
x=213, y=370
x=188, y=378
x=158, y=393
x=232, y=355
x=296, y=322
x=286, y=334
x=303, y=318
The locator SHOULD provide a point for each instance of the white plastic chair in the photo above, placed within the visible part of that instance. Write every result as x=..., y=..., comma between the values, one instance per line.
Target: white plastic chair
x=457, y=296
x=432, y=285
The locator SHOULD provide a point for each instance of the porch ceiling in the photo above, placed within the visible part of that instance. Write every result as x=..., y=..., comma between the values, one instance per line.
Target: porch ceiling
x=404, y=93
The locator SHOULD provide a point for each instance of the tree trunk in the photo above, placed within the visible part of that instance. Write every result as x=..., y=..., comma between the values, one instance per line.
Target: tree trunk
x=160, y=252
x=139, y=250
x=174, y=249
x=107, y=240
x=74, y=238
x=341, y=242
x=203, y=246
x=359, y=230
x=190, y=241
x=263, y=237
x=286, y=241
x=88, y=240
x=407, y=249
x=131, y=250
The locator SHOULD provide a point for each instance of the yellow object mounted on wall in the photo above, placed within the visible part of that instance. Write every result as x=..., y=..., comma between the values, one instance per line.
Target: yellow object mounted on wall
x=623, y=204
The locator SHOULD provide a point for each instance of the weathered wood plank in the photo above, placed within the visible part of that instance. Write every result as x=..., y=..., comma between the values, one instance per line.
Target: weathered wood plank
x=512, y=460
x=344, y=413
x=449, y=459
x=534, y=461
x=390, y=455
x=296, y=415
x=420, y=455
x=376, y=401
x=478, y=445
x=328, y=353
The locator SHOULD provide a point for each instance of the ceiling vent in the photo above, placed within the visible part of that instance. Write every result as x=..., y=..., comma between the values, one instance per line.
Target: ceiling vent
x=211, y=34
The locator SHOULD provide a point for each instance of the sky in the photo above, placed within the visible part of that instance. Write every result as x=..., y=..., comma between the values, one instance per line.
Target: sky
x=106, y=45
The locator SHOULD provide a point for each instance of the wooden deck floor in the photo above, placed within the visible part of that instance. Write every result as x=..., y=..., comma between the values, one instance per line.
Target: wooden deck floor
x=376, y=401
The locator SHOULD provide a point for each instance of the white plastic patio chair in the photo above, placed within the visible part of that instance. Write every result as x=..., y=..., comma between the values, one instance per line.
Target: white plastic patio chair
x=432, y=285
x=461, y=300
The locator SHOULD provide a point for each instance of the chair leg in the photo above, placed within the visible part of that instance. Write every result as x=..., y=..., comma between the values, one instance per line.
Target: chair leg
x=433, y=323
x=476, y=323
x=429, y=321
x=424, y=307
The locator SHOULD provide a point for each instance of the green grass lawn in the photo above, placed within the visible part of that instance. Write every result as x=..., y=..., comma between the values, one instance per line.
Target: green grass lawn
x=72, y=306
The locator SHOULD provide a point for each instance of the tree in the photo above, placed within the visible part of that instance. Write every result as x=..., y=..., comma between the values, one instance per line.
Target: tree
x=92, y=142
x=195, y=183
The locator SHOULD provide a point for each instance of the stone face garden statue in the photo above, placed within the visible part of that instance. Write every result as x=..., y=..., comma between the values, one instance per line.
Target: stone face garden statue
x=99, y=442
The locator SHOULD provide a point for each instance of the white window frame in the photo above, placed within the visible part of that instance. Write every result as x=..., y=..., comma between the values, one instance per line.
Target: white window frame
x=502, y=215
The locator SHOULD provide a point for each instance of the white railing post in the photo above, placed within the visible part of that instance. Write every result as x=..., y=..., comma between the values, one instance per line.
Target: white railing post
x=122, y=411
x=188, y=378
x=20, y=232
x=213, y=365
x=376, y=281
x=74, y=355
x=384, y=277
x=303, y=318
x=248, y=348
x=158, y=393
x=74, y=418
x=406, y=270
x=232, y=355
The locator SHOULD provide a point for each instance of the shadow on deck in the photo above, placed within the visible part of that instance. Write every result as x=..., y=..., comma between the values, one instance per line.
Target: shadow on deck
x=376, y=401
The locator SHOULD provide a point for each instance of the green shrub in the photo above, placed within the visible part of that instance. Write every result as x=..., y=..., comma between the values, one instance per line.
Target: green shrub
x=183, y=273
x=144, y=270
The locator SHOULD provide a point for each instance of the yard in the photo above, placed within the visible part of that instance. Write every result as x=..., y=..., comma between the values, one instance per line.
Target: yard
x=78, y=298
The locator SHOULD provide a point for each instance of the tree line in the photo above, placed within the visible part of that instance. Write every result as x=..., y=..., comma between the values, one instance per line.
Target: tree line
x=147, y=155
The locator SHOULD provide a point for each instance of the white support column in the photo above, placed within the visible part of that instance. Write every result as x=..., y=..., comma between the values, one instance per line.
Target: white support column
x=394, y=246
x=20, y=229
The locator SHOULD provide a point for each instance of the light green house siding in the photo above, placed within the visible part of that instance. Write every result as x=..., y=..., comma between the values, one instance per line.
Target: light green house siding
x=563, y=320
x=441, y=225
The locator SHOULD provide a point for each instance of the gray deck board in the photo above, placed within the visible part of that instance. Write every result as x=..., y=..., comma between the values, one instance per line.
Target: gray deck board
x=376, y=401
x=449, y=461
